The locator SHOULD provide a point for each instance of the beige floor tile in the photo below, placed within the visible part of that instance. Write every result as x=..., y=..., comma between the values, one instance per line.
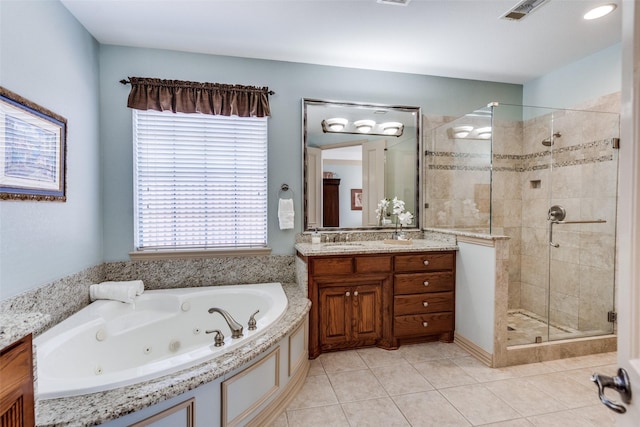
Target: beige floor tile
x=315, y=368
x=528, y=370
x=401, y=378
x=520, y=422
x=564, y=389
x=322, y=416
x=598, y=415
x=443, y=373
x=524, y=397
x=479, y=405
x=340, y=361
x=429, y=409
x=350, y=386
x=582, y=361
x=480, y=371
x=374, y=413
x=563, y=419
x=281, y=421
x=375, y=357
x=583, y=376
x=414, y=353
x=316, y=391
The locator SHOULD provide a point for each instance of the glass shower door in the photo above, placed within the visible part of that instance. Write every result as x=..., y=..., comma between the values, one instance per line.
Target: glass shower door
x=583, y=169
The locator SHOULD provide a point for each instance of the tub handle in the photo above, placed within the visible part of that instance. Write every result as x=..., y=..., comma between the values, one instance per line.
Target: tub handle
x=252, y=321
x=218, y=340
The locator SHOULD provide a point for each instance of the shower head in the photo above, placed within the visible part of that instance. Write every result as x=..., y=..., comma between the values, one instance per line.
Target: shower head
x=548, y=142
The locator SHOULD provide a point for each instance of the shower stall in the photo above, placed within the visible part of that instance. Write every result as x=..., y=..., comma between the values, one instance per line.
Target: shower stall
x=547, y=179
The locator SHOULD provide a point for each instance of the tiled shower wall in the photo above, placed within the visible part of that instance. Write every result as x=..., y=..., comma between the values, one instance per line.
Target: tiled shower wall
x=581, y=176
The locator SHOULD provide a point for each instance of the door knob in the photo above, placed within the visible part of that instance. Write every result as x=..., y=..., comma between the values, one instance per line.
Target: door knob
x=619, y=383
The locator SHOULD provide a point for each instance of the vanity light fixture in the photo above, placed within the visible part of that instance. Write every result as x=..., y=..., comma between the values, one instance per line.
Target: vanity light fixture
x=599, y=11
x=364, y=126
x=336, y=124
x=392, y=128
x=469, y=132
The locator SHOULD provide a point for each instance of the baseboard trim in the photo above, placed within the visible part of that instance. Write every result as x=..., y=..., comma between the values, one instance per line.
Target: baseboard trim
x=477, y=352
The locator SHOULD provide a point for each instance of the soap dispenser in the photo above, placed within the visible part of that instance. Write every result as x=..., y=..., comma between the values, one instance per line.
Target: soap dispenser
x=315, y=237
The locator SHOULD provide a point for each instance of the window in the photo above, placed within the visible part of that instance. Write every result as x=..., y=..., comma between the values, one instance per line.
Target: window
x=200, y=181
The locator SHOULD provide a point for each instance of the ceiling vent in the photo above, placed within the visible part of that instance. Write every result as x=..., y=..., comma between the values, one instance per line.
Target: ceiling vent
x=522, y=9
x=395, y=2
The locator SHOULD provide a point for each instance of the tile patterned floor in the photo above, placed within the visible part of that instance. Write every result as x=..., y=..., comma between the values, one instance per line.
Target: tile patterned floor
x=441, y=385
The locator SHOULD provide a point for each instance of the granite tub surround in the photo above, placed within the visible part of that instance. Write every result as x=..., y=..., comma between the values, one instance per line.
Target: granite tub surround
x=36, y=310
x=96, y=408
x=186, y=273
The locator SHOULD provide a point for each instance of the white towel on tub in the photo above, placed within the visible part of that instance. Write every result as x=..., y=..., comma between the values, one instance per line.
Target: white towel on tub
x=285, y=213
x=117, y=291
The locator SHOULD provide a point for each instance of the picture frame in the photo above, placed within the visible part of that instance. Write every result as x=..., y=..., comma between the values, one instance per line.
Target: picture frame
x=33, y=150
x=356, y=199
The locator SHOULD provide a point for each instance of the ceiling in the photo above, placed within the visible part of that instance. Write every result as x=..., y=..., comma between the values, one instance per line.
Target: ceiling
x=451, y=38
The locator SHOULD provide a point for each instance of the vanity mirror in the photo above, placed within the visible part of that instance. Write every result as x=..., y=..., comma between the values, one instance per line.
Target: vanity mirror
x=354, y=155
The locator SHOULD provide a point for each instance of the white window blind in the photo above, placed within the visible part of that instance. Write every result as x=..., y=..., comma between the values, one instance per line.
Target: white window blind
x=200, y=181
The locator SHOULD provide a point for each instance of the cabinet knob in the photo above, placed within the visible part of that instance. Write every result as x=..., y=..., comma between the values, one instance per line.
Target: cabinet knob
x=348, y=294
x=355, y=294
x=425, y=262
x=425, y=324
x=426, y=283
x=425, y=303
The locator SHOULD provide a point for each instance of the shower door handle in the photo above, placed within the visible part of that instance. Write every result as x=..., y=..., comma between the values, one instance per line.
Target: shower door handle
x=591, y=221
x=619, y=383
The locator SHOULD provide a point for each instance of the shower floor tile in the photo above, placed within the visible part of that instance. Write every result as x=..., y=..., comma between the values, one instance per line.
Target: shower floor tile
x=525, y=327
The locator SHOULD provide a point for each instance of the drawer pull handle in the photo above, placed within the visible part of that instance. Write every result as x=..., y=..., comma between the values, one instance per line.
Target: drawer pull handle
x=425, y=324
x=355, y=294
x=425, y=262
x=426, y=283
x=348, y=294
x=425, y=303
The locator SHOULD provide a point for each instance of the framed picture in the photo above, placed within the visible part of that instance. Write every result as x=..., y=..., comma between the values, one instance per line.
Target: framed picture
x=356, y=199
x=32, y=150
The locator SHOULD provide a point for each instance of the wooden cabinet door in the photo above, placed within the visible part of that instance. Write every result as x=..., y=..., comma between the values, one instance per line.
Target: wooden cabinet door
x=335, y=314
x=16, y=377
x=367, y=308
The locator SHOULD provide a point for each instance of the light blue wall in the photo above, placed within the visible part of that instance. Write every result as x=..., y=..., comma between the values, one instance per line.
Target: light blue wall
x=291, y=82
x=582, y=80
x=47, y=57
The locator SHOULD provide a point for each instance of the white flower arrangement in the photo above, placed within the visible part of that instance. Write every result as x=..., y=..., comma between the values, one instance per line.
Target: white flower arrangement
x=403, y=217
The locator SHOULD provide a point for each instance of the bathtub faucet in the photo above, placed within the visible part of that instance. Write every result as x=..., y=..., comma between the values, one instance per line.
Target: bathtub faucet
x=236, y=328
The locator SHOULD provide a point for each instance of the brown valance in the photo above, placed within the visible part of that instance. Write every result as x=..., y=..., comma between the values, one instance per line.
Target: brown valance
x=192, y=97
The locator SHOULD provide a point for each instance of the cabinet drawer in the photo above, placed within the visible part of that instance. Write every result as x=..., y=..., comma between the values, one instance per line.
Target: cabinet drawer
x=373, y=264
x=342, y=265
x=423, y=324
x=425, y=262
x=423, y=303
x=417, y=283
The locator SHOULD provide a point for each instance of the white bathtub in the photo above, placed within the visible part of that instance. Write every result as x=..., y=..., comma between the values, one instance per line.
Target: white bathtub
x=110, y=344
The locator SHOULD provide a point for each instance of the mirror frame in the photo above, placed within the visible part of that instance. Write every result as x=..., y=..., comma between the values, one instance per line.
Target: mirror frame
x=419, y=161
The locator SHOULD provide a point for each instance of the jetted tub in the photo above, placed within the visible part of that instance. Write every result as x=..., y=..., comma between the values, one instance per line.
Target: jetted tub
x=110, y=344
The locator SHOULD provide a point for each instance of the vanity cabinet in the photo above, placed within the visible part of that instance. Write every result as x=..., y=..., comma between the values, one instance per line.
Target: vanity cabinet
x=351, y=302
x=16, y=392
x=380, y=299
x=423, y=302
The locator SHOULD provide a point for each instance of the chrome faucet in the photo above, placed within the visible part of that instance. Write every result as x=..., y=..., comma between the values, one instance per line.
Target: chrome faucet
x=236, y=328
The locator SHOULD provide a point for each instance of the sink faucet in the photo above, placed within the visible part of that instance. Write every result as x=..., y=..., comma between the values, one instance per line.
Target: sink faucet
x=236, y=328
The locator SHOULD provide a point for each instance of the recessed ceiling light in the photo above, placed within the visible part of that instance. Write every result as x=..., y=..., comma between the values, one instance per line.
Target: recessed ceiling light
x=600, y=11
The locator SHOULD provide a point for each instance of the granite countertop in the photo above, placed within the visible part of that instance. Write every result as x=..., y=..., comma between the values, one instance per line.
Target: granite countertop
x=96, y=408
x=14, y=326
x=373, y=246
